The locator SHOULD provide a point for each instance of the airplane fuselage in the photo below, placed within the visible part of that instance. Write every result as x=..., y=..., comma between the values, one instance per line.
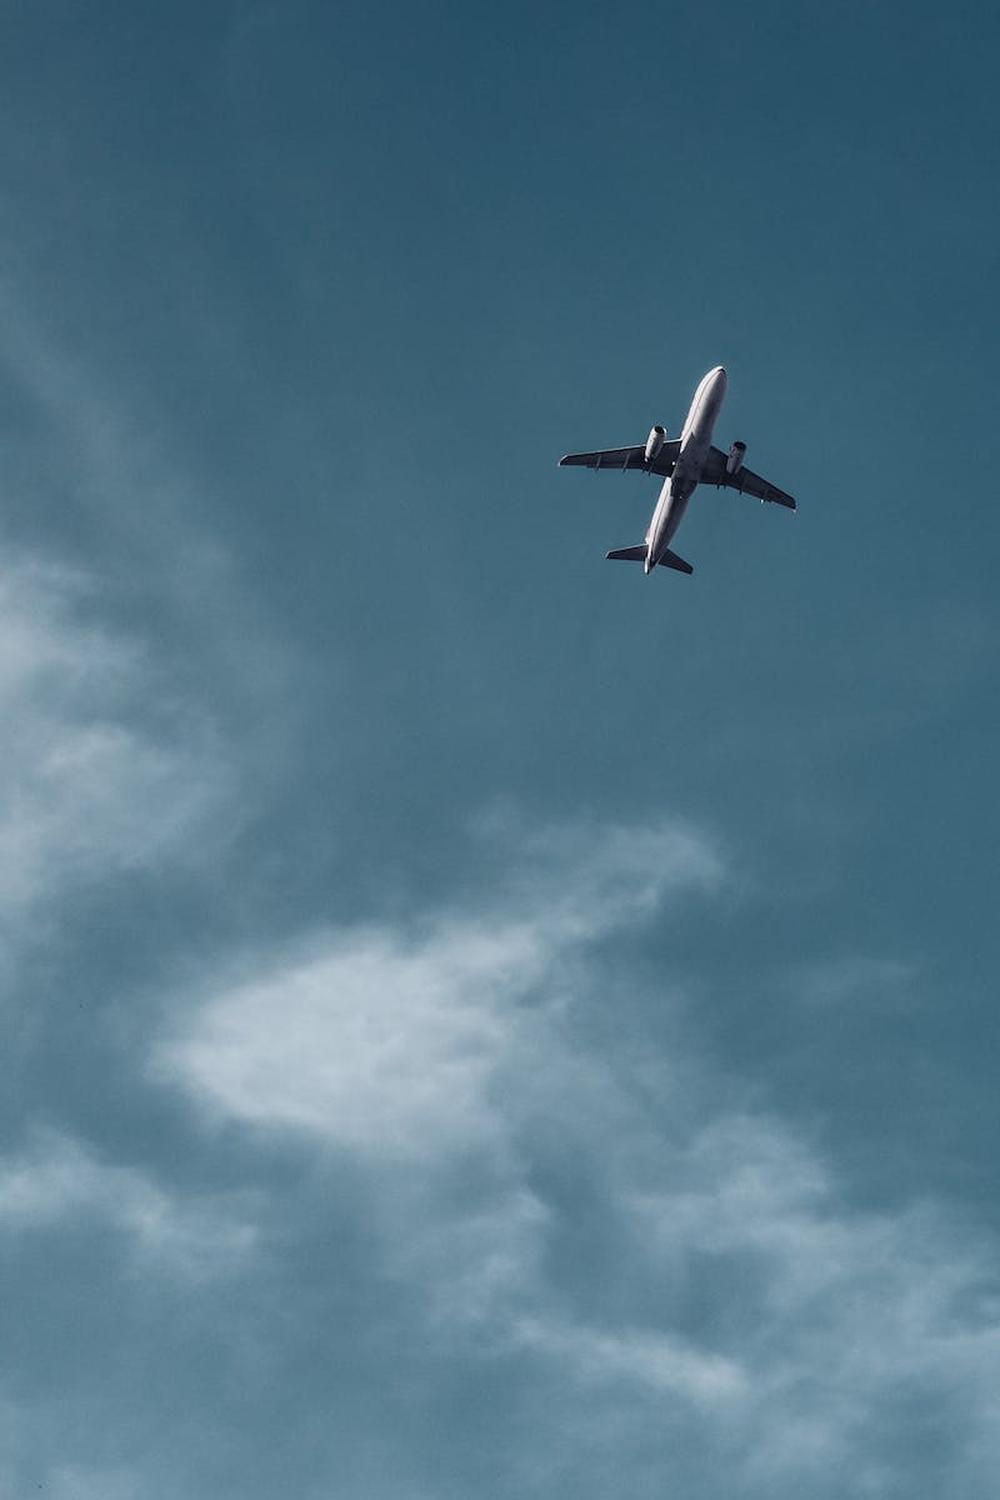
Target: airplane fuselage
x=695, y=440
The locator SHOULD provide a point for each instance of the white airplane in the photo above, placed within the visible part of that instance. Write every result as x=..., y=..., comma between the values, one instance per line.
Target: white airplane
x=685, y=462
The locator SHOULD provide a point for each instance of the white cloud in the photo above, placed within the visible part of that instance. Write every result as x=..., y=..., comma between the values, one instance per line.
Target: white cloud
x=55, y=1181
x=393, y=1043
x=840, y=1313
x=102, y=755
x=100, y=772
x=665, y=1364
x=473, y=1262
x=455, y=1064
x=368, y=1044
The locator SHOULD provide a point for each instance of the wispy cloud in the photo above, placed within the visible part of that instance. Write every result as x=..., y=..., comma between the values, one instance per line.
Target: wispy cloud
x=455, y=1062
x=111, y=457
x=848, y=979
x=838, y=1312
x=56, y=1182
x=392, y=1041
x=106, y=456
x=100, y=772
x=664, y=1364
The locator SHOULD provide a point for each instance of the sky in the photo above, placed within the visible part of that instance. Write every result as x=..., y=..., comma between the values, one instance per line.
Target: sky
x=477, y=1021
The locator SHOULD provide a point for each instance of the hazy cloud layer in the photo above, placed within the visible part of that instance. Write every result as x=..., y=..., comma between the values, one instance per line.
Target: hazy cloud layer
x=737, y=1283
x=103, y=769
x=55, y=1183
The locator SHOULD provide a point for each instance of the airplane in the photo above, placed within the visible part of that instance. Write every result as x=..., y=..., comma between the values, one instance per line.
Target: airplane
x=685, y=462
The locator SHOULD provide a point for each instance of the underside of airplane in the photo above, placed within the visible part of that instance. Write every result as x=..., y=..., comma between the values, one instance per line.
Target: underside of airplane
x=683, y=463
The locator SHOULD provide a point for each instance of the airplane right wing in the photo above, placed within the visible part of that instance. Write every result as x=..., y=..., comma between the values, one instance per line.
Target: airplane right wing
x=628, y=458
x=744, y=480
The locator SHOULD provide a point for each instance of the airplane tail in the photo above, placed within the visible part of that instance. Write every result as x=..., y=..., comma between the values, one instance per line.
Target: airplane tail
x=638, y=554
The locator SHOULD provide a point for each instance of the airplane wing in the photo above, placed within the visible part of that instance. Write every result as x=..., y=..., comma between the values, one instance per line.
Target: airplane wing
x=744, y=480
x=628, y=458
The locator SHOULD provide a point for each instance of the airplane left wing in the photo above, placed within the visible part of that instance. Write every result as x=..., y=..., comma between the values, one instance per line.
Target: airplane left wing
x=628, y=458
x=744, y=480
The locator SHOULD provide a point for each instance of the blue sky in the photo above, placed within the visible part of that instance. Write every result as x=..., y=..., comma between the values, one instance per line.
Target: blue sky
x=477, y=1021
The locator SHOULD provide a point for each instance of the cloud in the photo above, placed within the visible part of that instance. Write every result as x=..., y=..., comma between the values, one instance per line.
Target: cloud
x=850, y=978
x=369, y=1044
x=103, y=770
x=393, y=1042
x=101, y=446
x=707, y=1261
x=56, y=1182
x=665, y=1365
x=96, y=443
x=840, y=1313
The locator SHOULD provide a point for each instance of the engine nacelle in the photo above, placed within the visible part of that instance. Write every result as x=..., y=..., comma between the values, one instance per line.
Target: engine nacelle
x=737, y=454
x=655, y=441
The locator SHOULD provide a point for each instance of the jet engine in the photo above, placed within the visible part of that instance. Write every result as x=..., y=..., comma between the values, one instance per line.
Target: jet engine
x=737, y=454
x=655, y=441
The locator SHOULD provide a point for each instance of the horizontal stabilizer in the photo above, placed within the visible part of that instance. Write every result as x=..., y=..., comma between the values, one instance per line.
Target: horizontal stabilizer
x=638, y=554
x=671, y=560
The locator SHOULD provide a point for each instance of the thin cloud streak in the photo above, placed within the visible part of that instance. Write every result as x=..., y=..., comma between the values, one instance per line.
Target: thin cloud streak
x=97, y=777
x=55, y=1182
x=663, y=1364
